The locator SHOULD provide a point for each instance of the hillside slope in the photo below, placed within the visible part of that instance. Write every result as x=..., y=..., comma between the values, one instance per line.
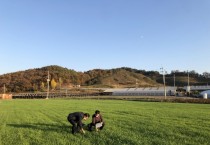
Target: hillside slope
x=36, y=79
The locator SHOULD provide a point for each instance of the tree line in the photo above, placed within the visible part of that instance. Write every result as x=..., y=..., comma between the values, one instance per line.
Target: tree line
x=36, y=79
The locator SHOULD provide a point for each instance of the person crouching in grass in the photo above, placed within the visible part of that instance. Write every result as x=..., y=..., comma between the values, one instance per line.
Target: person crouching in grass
x=76, y=120
x=97, y=121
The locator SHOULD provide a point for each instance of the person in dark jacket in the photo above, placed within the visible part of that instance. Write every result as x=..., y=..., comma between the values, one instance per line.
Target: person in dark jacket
x=76, y=120
x=97, y=121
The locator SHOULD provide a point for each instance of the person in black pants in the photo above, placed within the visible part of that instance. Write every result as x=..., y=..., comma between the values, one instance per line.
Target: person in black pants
x=76, y=120
x=97, y=121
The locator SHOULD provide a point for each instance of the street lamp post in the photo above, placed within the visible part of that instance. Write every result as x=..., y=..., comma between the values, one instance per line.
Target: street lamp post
x=163, y=71
x=48, y=84
x=174, y=84
x=188, y=83
x=4, y=89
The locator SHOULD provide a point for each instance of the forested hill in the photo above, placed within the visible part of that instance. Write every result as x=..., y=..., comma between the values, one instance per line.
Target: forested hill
x=36, y=79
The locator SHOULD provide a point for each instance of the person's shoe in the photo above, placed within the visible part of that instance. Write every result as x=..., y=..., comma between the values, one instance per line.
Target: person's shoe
x=89, y=127
x=82, y=131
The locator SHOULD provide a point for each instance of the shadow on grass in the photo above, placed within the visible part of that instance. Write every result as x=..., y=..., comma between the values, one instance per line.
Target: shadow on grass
x=43, y=127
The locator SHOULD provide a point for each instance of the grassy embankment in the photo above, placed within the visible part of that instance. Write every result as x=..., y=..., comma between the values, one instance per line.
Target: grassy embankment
x=43, y=122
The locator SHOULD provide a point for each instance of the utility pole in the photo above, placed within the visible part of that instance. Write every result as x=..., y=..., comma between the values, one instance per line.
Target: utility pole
x=174, y=85
x=4, y=89
x=164, y=82
x=48, y=84
x=188, y=83
x=174, y=80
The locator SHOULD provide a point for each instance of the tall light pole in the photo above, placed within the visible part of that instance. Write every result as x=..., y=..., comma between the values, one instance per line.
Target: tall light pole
x=188, y=83
x=174, y=84
x=164, y=82
x=4, y=89
x=48, y=84
x=174, y=80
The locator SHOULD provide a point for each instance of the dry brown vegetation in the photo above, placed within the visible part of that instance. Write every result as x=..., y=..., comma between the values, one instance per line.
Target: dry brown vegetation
x=33, y=80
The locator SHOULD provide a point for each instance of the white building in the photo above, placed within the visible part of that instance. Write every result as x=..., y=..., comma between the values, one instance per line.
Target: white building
x=148, y=91
x=207, y=92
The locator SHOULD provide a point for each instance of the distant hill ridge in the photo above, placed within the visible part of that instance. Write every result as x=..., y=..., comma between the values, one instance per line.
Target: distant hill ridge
x=36, y=79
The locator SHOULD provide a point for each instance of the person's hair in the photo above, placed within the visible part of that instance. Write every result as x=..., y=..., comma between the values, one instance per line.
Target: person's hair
x=87, y=115
x=97, y=112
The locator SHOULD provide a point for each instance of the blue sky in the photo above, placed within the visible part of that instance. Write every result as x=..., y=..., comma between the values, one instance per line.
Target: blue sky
x=88, y=34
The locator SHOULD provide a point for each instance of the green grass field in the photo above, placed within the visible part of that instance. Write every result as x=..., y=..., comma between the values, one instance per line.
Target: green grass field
x=43, y=122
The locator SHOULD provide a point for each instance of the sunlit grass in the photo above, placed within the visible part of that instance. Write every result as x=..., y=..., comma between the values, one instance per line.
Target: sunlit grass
x=127, y=122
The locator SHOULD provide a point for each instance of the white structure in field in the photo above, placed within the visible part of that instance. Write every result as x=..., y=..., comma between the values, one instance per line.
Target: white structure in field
x=204, y=94
x=148, y=91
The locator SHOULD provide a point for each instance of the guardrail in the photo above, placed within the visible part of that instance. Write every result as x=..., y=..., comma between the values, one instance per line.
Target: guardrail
x=51, y=95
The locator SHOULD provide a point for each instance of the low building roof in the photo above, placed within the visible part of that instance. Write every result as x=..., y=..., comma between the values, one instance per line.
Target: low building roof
x=141, y=90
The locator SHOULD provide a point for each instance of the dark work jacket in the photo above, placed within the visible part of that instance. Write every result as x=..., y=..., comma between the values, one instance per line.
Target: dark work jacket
x=97, y=119
x=77, y=118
